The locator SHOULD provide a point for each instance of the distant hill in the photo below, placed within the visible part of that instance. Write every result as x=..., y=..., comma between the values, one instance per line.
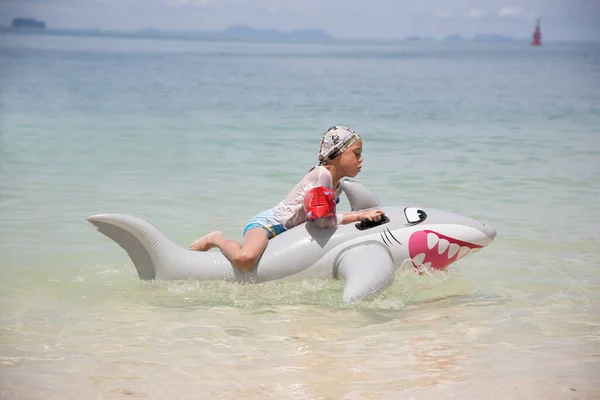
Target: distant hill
x=236, y=32
x=21, y=22
x=492, y=37
x=482, y=37
x=454, y=38
x=415, y=38
x=247, y=32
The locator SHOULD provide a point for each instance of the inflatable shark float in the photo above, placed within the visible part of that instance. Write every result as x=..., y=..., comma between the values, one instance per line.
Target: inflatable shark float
x=365, y=255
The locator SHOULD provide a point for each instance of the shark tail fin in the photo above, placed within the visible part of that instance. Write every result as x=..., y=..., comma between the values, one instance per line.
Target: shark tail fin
x=143, y=242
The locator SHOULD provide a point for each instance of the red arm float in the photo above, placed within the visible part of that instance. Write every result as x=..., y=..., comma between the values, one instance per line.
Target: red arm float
x=319, y=202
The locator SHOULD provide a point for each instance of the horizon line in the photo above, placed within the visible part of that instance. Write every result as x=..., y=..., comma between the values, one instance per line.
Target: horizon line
x=493, y=37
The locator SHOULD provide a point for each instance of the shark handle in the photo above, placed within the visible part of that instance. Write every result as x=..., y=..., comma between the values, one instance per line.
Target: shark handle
x=366, y=224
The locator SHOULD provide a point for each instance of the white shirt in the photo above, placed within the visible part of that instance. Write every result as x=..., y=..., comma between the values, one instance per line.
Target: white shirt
x=290, y=211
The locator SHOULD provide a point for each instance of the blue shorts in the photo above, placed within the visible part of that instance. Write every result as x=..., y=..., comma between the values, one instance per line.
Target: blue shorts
x=268, y=222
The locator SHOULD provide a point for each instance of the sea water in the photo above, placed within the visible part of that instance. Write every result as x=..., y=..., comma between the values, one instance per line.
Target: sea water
x=195, y=136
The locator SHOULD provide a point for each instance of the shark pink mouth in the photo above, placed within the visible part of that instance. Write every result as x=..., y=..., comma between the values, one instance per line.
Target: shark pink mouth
x=430, y=249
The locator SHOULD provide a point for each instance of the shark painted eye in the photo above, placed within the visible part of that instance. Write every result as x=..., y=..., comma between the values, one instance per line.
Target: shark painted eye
x=414, y=215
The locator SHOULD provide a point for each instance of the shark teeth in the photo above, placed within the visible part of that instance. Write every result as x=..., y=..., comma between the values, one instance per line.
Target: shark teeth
x=437, y=251
x=432, y=240
x=453, y=250
x=418, y=259
x=442, y=246
x=463, y=251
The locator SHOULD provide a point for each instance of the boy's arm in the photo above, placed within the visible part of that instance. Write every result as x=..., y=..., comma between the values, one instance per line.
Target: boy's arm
x=355, y=216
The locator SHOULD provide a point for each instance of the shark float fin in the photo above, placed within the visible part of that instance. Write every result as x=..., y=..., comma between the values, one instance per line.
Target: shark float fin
x=147, y=247
x=367, y=269
x=359, y=197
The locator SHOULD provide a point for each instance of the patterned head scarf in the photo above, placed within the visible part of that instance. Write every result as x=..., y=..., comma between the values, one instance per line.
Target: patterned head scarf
x=335, y=141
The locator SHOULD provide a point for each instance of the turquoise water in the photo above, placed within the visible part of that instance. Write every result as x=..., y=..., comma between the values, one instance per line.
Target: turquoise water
x=198, y=136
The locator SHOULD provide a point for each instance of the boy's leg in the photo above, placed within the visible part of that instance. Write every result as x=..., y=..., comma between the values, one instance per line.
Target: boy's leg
x=206, y=242
x=244, y=256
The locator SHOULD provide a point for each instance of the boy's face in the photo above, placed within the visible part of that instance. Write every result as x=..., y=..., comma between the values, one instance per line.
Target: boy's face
x=351, y=159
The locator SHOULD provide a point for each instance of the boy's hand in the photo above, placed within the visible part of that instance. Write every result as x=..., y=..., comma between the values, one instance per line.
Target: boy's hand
x=372, y=215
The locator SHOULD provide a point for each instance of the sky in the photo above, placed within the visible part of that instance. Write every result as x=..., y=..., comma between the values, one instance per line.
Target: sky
x=375, y=19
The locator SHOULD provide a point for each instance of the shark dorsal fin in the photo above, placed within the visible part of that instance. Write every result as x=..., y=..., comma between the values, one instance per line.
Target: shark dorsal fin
x=360, y=197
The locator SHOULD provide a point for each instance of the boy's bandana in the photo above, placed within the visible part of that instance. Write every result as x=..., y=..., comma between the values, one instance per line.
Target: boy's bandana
x=335, y=141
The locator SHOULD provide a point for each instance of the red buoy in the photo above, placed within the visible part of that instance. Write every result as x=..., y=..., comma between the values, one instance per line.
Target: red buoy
x=537, y=35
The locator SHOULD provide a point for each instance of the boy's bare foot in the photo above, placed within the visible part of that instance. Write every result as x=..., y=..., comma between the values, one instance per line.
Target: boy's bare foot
x=206, y=242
